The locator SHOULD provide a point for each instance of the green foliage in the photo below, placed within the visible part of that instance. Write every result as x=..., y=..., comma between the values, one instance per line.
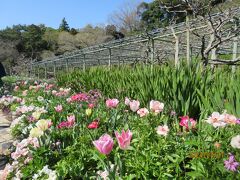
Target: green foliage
x=185, y=90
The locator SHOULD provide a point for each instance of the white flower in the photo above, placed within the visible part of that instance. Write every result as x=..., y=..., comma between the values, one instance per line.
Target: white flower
x=235, y=142
x=40, y=98
x=216, y=119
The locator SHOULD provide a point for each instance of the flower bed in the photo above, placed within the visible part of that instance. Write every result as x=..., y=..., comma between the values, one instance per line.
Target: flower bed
x=61, y=134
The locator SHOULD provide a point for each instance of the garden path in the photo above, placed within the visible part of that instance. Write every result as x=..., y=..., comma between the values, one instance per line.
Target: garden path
x=5, y=138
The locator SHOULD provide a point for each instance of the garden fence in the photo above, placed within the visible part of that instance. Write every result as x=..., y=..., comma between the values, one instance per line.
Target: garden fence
x=155, y=47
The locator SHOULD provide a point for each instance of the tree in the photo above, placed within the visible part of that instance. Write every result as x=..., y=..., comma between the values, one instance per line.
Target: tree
x=112, y=30
x=73, y=31
x=32, y=40
x=126, y=17
x=64, y=26
x=160, y=13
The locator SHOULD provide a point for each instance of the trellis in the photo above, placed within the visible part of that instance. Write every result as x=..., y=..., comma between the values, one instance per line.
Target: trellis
x=164, y=44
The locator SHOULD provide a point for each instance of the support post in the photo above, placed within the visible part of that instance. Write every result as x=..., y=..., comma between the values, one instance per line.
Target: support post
x=235, y=50
x=30, y=71
x=118, y=61
x=45, y=70
x=109, y=57
x=152, y=53
x=188, y=40
x=176, y=55
x=38, y=71
x=54, y=68
x=84, y=62
x=67, y=67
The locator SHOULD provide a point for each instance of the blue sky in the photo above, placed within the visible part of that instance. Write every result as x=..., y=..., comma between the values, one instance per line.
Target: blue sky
x=78, y=13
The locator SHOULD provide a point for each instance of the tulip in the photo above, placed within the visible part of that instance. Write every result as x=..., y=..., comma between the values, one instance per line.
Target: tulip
x=127, y=101
x=71, y=120
x=185, y=121
x=93, y=125
x=156, y=107
x=143, y=112
x=36, y=132
x=42, y=124
x=88, y=112
x=124, y=139
x=90, y=106
x=58, y=108
x=134, y=105
x=36, y=115
x=104, y=144
x=162, y=130
x=112, y=103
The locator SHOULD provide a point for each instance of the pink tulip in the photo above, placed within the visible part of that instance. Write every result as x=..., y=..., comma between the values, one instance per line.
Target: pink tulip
x=71, y=120
x=124, y=139
x=127, y=101
x=93, y=125
x=16, y=88
x=50, y=123
x=156, y=107
x=104, y=144
x=112, y=103
x=134, y=105
x=59, y=108
x=185, y=121
x=162, y=130
x=143, y=112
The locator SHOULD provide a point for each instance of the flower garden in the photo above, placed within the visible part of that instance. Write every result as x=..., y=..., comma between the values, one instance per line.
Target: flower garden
x=183, y=125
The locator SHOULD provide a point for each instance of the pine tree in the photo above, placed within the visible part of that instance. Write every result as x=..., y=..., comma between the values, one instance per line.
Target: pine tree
x=64, y=26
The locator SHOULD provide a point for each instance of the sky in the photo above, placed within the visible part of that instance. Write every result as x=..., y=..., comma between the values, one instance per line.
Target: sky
x=78, y=13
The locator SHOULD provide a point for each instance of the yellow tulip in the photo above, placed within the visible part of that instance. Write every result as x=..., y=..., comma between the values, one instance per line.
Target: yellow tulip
x=36, y=132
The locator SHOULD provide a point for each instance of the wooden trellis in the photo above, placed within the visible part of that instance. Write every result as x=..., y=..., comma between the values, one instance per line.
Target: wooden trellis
x=173, y=42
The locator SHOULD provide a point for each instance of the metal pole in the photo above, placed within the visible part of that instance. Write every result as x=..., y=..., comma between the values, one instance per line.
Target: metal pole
x=84, y=62
x=54, y=68
x=67, y=64
x=45, y=69
x=118, y=61
x=152, y=53
x=109, y=58
x=38, y=72
x=235, y=49
x=188, y=40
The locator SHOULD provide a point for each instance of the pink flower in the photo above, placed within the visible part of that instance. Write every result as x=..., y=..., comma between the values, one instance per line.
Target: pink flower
x=24, y=93
x=104, y=144
x=143, y=112
x=34, y=142
x=71, y=120
x=127, y=101
x=124, y=139
x=216, y=120
x=93, y=125
x=50, y=123
x=90, y=106
x=66, y=124
x=230, y=119
x=231, y=164
x=79, y=97
x=185, y=121
x=156, y=107
x=162, y=130
x=59, y=108
x=26, y=161
x=134, y=105
x=16, y=88
x=112, y=103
